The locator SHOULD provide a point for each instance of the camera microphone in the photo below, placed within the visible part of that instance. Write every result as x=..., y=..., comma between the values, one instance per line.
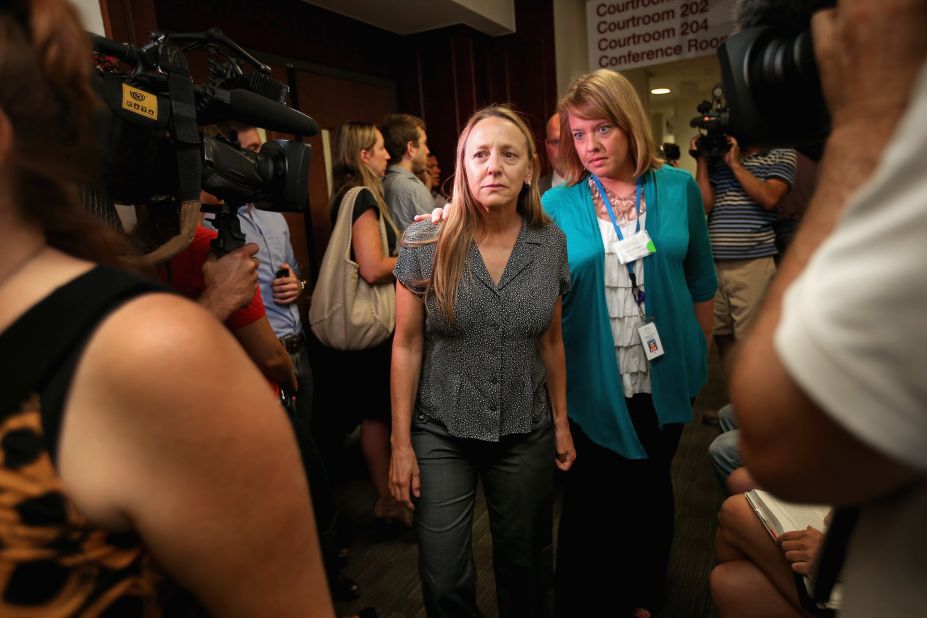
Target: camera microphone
x=122, y=51
x=217, y=105
x=262, y=112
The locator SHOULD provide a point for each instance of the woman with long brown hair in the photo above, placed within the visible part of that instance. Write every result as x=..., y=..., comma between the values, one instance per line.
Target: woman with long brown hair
x=130, y=464
x=478, y=379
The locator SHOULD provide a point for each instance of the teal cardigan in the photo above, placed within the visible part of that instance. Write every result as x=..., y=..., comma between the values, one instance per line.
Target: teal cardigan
x=679, y=273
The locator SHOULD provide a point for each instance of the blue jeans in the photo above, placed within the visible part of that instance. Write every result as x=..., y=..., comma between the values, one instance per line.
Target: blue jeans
x=723, y=450
x=517, y=474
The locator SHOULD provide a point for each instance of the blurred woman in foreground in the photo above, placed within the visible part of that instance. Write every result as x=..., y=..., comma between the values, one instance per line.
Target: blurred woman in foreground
x=142, y=452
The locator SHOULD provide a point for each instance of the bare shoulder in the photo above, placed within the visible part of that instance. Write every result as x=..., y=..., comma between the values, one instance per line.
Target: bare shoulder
x=151, y=316
x=169, y=425
x=159, y=367
x=152, y=335
x=164, y=349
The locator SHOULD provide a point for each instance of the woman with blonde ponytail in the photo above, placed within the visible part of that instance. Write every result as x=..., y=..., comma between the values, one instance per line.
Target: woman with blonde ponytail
x=141, y=451
x=478, y=375
x=360, y=160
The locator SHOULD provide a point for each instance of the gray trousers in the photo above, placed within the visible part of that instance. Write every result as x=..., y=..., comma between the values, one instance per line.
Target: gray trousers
x=517, y=474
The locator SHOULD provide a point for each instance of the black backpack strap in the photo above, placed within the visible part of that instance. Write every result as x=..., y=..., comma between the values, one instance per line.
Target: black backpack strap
x=832, y=554
x=38, y=343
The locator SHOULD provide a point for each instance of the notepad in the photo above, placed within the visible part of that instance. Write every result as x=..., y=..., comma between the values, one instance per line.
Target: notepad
x=780, y=516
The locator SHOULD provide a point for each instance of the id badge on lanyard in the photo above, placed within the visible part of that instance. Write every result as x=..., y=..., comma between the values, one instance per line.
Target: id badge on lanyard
x=650, y=339
x=635, y=247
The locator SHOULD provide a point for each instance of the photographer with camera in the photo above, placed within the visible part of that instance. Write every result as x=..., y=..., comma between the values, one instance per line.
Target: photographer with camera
x=249, y=323
x=741, y=192
x=829, y=386
x=670, y=154
x=120, y=482
x=281, y=288
x=278, y=282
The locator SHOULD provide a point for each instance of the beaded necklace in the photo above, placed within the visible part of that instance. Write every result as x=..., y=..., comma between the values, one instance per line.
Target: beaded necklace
x=623, y=206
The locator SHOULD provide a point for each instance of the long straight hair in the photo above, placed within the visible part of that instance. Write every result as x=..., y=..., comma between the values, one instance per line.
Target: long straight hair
x=349, y=170
x=608, y=95
x=460, y=227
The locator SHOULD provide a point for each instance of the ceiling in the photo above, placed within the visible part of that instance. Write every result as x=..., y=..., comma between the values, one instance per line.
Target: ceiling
x=496, y=18
x=492, y=17
x=703, y=73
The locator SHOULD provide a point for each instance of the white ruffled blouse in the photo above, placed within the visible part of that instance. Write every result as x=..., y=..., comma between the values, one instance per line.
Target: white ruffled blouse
x=623, y=311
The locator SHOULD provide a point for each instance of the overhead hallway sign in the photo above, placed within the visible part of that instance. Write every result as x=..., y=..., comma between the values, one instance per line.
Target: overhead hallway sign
x=625, y=34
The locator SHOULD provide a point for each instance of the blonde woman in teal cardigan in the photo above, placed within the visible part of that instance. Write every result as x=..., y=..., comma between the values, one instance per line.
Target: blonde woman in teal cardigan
x=626, y=405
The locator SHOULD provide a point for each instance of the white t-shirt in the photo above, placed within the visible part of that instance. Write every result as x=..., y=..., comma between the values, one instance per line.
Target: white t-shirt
x=853, y=334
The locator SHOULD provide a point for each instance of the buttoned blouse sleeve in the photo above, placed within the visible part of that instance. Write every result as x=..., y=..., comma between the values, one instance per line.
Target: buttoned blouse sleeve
x=414, y=264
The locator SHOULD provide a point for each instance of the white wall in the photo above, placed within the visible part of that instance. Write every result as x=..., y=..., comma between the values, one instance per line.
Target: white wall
x=570, y=41
x=501, y=12
x=571, y=49
x=91, y=15
x=689, y=98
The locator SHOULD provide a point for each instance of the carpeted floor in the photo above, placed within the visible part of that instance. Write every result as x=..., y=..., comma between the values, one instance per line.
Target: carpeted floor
x=384, y=561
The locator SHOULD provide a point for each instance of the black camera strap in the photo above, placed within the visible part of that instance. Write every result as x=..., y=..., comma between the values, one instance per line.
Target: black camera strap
x=183, y=119
x=832, y=554
x=36, y=345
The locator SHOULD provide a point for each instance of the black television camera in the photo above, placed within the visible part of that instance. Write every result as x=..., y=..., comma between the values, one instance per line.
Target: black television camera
x=770, y=77
x=713, y=119
x=670, y=153
x=154, y=151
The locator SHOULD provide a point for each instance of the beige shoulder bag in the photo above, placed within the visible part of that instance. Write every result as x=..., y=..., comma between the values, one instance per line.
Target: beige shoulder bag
x=347, y=313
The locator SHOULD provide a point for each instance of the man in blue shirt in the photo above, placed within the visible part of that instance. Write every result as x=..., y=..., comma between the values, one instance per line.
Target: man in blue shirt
x=281, y=286
x=278, y=279
x=407, y=143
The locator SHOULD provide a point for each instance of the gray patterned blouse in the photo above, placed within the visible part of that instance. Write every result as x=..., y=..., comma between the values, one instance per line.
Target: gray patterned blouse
x=483, y=376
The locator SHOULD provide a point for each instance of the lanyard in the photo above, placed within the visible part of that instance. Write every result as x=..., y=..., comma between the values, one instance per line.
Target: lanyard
x=611, y=213
x=636, y=292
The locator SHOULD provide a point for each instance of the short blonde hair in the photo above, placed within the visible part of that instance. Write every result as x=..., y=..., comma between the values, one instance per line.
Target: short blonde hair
x=606, y=94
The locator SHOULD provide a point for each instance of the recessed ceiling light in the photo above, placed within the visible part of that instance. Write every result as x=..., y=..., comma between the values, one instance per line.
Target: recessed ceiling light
x=660, y=91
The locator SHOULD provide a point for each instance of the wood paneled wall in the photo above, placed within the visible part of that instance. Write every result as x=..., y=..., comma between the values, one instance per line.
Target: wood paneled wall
x=459, y=70
x=349, y=70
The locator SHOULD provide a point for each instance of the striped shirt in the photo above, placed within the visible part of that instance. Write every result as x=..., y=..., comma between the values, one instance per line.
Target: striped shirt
x=741, y=229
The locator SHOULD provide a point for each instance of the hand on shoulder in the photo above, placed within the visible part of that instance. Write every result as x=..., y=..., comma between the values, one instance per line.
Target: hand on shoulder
x=421, y=231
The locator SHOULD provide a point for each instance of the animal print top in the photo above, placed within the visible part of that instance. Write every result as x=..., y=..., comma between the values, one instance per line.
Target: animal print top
x=52, y=561
x=50, y=557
